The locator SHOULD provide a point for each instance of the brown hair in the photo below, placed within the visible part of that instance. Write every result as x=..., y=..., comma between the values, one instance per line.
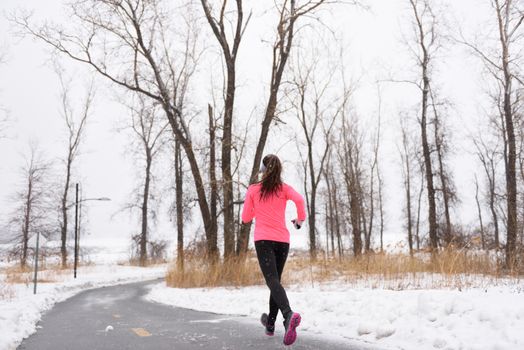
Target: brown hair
x=271, y=180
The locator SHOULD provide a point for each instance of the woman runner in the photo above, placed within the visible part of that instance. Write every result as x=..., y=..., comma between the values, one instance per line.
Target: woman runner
x=266, y=202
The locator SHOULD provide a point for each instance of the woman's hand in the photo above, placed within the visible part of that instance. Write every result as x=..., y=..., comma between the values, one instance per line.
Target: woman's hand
x=297, y=223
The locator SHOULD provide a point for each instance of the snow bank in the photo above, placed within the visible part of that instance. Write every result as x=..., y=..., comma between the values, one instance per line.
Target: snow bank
x=20, y=310
x=473, y=319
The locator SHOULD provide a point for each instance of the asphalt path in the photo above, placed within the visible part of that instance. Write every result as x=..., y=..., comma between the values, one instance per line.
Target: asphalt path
x=118, y=317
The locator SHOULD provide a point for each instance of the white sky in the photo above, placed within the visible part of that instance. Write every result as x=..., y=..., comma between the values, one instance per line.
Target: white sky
x=30, y=90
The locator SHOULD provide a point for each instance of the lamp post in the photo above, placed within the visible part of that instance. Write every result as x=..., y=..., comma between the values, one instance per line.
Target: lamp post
x=76, y=203
x=76, y=229
x=35, y=280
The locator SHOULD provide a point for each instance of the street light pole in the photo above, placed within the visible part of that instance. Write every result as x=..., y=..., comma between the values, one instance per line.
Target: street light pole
x=77, y=226
x=76, y=231
x=35, y=281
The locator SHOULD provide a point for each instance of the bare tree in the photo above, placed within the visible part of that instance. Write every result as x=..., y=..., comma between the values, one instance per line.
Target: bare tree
x=149, y=130
x=75, y=122
x=504, y=65
x=334, y=217
x=129, y=43
x=315, y=107
x=489, y=158
x=181, y=206
x=406, y=155
x=350, y=159
x=381, y=206
x=442, y=149
x=230, y=49
x=479, y=209
x=419, y=202
x=290, y=11
x=510, y=15
x=424, y=21
x=31, y=213
x=374, y=177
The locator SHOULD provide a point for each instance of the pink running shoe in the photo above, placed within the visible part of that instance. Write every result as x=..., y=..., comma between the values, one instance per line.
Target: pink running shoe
x=270, y=328
x=291, y=324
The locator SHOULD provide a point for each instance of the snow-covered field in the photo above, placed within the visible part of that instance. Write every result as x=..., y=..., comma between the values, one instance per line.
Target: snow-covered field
x=20, y=310
x=476, y=318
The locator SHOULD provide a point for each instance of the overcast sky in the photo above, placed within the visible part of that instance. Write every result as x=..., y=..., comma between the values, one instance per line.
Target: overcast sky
x=29, y=89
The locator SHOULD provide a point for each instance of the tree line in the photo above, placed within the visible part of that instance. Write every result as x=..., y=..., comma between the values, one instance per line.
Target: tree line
x=151, y=52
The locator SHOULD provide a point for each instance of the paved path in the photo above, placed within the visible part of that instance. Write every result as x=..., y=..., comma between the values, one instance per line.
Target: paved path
x=81, y=321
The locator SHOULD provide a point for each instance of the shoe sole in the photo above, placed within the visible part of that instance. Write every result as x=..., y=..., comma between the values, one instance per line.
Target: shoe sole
x=291, y=333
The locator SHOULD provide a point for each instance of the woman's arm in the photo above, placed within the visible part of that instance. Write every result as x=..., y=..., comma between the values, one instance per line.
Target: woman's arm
x=248, y=211
x=299, y=202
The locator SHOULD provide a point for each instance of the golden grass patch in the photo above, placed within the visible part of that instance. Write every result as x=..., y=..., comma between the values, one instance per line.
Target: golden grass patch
x=448, y=269
x=198, y=272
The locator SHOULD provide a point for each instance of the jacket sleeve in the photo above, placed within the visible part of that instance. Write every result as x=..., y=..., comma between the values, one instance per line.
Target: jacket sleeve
x=299, y=202
x=248, y=211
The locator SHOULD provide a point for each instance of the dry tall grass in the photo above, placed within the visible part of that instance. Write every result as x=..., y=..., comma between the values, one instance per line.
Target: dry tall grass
x=449, y=269
x=198, y=272
x=49, y=273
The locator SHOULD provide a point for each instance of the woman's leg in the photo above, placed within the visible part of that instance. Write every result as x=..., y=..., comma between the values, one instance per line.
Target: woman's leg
x=281, y=251
x=267, y=259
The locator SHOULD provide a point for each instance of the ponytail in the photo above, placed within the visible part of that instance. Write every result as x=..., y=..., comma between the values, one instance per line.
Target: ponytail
x=271, y=179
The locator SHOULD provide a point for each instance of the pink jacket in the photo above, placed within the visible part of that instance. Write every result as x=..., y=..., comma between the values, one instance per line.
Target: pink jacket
x=270, y=214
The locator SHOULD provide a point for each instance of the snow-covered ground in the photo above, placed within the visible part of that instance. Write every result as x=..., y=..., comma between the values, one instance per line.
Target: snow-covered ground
x=477, y=318
x=20, y=310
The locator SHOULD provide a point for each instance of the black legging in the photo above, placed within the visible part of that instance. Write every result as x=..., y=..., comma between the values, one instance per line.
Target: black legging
x=272, y=258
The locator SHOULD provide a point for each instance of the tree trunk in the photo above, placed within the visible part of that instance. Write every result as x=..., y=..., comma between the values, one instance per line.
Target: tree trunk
x=337, y=222
x=179, y=206
x=212, y=169
x=448, y=238
x=312, y=204
x=26, y=224
x=145, y=202
x=432, y=215
x=326, y=228
x=492, y=203
x=424, y=62
x=63, y=229
x=355, y=224
x=408, y=205
x=504, y=17
x=227, y=179
x=371, y=210
x=419, y=205
x=482, y=240
x=330, y=211
x=381, y=206
x=511, y=175
x=354, y=207
x=511, y=185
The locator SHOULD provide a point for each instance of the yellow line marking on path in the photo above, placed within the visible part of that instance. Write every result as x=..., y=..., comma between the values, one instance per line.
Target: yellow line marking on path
x=116, y=316
x=141, y=332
